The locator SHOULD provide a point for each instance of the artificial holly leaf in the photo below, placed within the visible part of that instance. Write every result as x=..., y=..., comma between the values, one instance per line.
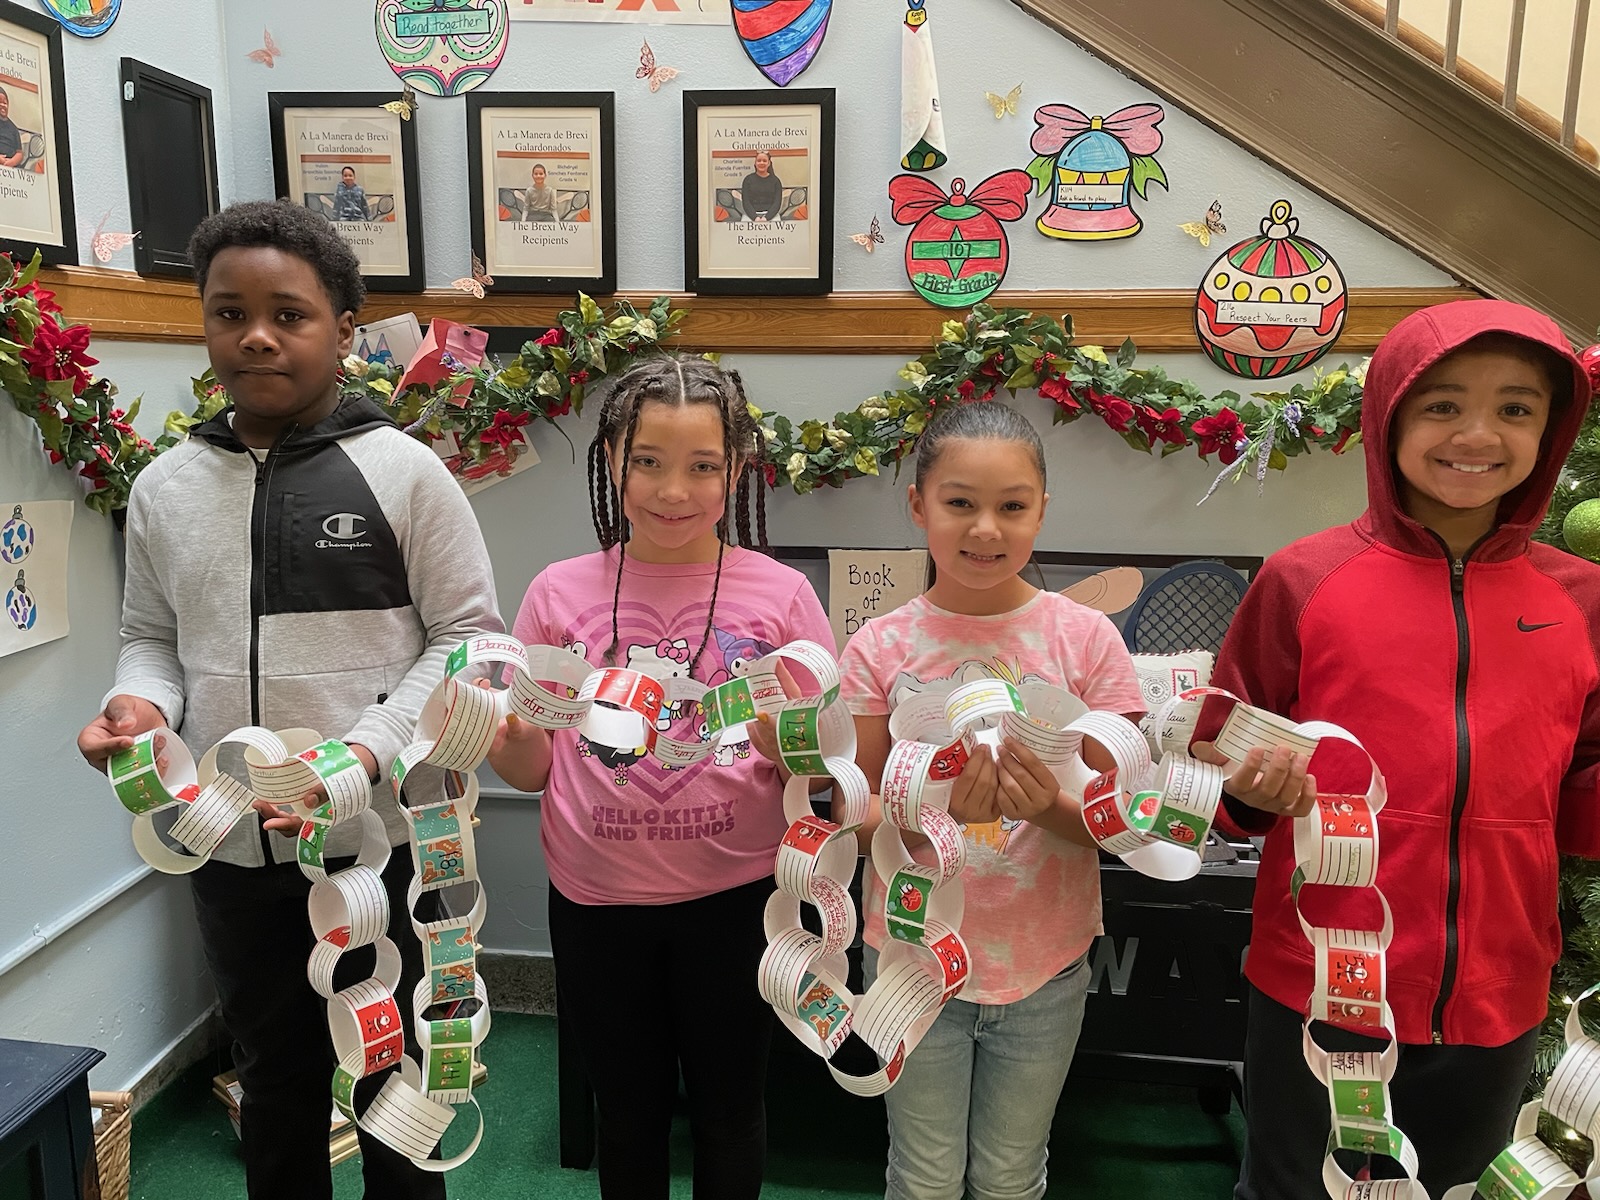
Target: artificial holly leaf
x=1126, y=353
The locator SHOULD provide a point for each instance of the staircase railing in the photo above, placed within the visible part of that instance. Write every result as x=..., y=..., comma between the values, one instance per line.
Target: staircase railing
x=1386, y=15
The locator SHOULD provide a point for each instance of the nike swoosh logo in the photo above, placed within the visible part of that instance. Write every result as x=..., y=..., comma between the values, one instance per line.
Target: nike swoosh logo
x=1526, y=628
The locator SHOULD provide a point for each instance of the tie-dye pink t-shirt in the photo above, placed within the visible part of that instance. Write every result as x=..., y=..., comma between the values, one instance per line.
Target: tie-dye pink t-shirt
x=618, y=827
x=1032, y=897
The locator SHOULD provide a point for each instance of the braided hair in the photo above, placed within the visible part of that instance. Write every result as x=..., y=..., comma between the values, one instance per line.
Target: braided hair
x=677, y=381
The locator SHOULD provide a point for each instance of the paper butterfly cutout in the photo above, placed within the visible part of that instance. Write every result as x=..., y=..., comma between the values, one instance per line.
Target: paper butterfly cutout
x=107, y=244
x=648, y=69
x=873, y=237
x=1006, y=105
x=403, y=107
x=480, y=279
x=269, y=50
x=1211, y=225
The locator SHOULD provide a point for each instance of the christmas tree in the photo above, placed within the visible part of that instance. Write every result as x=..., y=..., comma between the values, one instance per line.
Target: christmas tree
x=1573, y=524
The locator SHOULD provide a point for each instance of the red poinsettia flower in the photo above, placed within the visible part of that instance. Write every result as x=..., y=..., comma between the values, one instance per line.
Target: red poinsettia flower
x=43, y=297
x=551, y=337
x=1220, y=433
x=1059, y=392
x=58, y=353
x=1162, y=426
x=966, y=389
x=503, y=429
x=1344, y=437
x=770, y=472
x=1113, y=410
x=991, y=366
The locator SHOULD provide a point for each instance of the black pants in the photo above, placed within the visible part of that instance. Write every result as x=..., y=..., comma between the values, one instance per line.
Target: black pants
x=257, y=938
x=650, y=990
x=1457, y=1104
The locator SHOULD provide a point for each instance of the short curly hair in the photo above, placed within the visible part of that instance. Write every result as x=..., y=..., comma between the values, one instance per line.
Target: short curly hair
x=288, y=227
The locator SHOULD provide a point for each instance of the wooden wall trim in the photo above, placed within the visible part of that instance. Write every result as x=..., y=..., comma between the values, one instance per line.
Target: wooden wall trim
x=120, y=306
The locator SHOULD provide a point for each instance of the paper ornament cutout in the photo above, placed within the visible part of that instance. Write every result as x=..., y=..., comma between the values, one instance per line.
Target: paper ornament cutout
x=1004, y=106
x=20, y=605
x=957, y=254
x=1211, y=225
x=16, y=538
x=1274, y=303
x=269, y=52
x=479, y=279
x=86, y=18
x=1091, y=167
x=922, y=144
x=871, y=239
x=781, y=37
x=442, y=47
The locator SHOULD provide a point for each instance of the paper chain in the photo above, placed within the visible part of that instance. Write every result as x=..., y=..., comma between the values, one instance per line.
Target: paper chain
x=1336, y=845
x=348, y=908
x=925, y=963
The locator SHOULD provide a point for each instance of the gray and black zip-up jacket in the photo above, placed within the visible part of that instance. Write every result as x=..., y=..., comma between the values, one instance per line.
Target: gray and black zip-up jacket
x=319, y=588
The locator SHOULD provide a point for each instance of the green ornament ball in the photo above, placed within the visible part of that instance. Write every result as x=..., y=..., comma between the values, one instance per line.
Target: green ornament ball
x=1581, y=529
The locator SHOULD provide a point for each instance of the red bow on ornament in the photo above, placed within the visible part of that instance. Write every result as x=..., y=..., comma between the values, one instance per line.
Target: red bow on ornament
x=1004, y=196
x=1134, y=127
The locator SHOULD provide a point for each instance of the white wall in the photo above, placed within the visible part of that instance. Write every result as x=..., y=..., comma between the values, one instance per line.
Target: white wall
x=125, y=975
x=1105, y=497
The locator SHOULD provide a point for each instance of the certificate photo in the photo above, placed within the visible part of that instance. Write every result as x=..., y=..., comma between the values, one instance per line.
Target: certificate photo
x=353, y=162
x=542, y=192
x=758, y=192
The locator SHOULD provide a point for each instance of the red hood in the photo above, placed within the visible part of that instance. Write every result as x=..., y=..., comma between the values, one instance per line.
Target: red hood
x=1411, y=347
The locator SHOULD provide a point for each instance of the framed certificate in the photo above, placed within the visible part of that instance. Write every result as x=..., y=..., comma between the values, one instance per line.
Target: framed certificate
x=758, y=192
x=35, y=168
x=343, y=155
x=543, y=191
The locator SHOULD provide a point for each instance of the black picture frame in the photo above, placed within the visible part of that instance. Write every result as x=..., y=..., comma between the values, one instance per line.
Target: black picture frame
x=598, y=276
x=395, y=271
x=170, y=140
x=58, y=244
x=701, y=273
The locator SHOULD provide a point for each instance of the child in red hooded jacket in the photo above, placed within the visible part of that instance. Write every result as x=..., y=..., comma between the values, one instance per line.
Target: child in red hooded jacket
x=1463, y=657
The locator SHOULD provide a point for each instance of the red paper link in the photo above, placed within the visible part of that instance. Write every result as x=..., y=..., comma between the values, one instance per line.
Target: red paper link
x=464, y=344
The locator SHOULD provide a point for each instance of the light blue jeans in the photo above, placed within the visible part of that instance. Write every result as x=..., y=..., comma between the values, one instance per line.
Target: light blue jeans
x=971, y=1112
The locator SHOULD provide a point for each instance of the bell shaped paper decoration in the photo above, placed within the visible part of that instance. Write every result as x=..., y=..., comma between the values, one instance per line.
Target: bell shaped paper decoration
x=1272, y=304
x=781, y=37
x=957, y=252
x=1091, y=168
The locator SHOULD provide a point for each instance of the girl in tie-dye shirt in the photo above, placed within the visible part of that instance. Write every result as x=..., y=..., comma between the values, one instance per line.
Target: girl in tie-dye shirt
x=973, y=1104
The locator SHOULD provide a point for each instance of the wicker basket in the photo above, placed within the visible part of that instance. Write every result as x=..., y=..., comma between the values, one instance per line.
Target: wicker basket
x=113, y=1142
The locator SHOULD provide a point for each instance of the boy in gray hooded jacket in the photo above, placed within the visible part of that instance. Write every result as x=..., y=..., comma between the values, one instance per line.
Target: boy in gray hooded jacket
x=298, y=562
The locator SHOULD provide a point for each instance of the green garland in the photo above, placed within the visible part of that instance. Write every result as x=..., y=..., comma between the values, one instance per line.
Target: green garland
x=487, y=405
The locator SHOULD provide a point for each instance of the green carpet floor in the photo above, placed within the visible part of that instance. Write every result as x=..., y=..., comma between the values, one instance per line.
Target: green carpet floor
x=1111, y=1141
